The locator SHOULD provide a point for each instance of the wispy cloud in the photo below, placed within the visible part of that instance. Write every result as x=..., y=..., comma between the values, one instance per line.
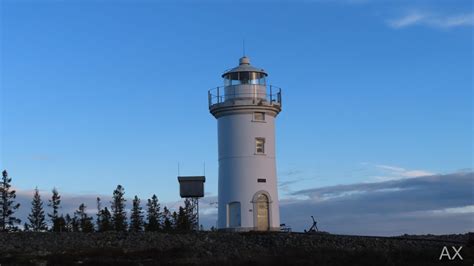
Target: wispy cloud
x=389, y=172
x=407, y=20
x=288, y=178
x=389, y=167
x=290, y=182
x=430, y=204
x=414, y=18
x=469, y=209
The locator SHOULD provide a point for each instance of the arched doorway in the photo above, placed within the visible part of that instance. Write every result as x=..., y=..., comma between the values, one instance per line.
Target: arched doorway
x=263, y=221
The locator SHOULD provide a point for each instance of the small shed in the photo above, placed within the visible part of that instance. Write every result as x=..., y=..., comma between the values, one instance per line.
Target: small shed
x=191, y=186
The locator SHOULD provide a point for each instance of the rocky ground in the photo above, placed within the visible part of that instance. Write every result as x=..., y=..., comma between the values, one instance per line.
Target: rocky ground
x=223, y=248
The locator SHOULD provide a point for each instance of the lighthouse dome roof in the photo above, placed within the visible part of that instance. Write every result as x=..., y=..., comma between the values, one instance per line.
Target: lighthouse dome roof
x=244, y=66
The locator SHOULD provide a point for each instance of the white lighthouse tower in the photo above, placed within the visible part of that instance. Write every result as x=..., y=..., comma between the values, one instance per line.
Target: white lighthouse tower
x=245, y=109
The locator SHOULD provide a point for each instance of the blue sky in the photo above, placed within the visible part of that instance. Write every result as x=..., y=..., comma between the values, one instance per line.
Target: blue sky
x=100, y=93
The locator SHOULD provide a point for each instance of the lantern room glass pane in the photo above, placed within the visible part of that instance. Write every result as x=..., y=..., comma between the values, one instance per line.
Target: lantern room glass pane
x=244, y=77
x=237, y=78
x=227, y=81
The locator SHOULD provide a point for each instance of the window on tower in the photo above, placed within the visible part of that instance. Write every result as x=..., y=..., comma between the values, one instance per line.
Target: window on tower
x=260, y=145
x=259, y=116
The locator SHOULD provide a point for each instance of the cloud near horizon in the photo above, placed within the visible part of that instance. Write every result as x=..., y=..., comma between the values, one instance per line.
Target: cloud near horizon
x=436, y=204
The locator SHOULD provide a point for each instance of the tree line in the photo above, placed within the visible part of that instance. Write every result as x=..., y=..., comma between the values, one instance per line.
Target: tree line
x=116, y=219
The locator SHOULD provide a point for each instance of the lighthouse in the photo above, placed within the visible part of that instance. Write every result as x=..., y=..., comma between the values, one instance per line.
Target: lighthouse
x=245, y=109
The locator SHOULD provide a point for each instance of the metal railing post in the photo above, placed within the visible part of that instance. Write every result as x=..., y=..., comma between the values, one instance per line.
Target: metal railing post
x=209, y=97
x=271, y=95
x=218, y=97
x=279, y=96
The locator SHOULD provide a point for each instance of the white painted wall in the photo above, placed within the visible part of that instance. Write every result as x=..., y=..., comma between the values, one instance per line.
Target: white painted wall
x=240, y=167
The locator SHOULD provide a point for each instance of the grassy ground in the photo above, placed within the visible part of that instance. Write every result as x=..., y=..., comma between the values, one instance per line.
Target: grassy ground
x=231, y=249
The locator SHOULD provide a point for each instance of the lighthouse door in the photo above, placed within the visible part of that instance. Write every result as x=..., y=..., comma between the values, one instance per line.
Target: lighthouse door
x=234, y=214
x=262, y=213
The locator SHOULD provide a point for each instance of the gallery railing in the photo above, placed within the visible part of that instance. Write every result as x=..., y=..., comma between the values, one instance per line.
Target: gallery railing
x=270, y=94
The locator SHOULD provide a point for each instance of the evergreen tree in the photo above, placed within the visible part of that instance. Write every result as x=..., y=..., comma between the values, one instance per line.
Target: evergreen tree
x=54, y=203
x=61, y=223
x=68, y=223
x=167, y=223
x=119, y=216
x=106, y=221
x=182, y=220
x=75, y=223
x=153, y=214
x=37, y=217
x=84, y=221
x=99, y=215
x=26, y=227
x=7, y=205
x=103, y=218
x=136, y=216
x=174, y=220
x=189, y=208
x=186, y=219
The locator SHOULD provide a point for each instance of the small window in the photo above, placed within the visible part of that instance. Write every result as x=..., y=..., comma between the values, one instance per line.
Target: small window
x=259, y=116
x=260, y=145
x=262, y=180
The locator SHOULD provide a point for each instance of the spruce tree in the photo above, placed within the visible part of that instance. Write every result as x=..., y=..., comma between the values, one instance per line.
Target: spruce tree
x=182, y=220
x=174, y=220
x=103, y=217
x=54, y=203
x=167, y=223
x=7, y=205
x=99, y=215
x=136, y=216
x=189, y=208
x=26, y=227
x=119, y=216
x=106, y=221
x=84, y=221
x=61, y=222
x=75, y=223
x=68, y=223
x=37, y=217
x=153, y=214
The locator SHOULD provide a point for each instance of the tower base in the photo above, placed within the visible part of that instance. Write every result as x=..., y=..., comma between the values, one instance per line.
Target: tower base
x=248, y=229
